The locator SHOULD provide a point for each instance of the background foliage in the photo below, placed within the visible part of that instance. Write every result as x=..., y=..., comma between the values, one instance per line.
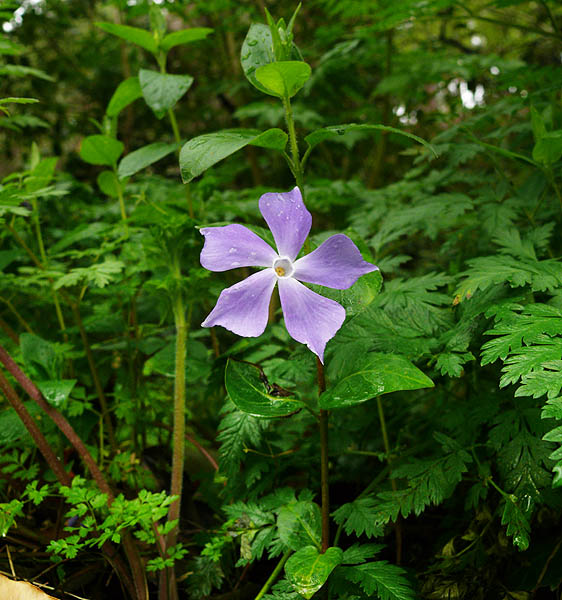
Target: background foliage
x=451, y=491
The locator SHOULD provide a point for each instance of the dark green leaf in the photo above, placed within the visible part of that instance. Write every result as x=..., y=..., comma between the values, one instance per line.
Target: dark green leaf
x=143, y=157
x=127, y=91
x=161, y=91
x=40, y=355
x=327, y=133
x=387, y=581
x=56, y=392
x=377, y=374
x=100, y=150
x=247, y=389
x=108, y=183
x=299, y=524
x=308, y=570
x=204, y=151
x=257, y=51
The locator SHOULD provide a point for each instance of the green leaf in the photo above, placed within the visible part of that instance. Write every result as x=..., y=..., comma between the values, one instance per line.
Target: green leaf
x=18, y=100
x=257, y=51
x=140, y=37
x=100, y=150
x=41, y=175
x=185, y=36
x=248, y=391
x=517, y=523
x=11, y=430
x=387, y=581
x=108, y=183
x=334, y=131
x=359, y=517
x=548, y=149
x=39, y=355
x=308, y=570
x=537, y=124
x=143, y=157
x=56, y=392
x=299, y=524
x=377, y=374
x=202, y=152
x=99, y=274
x=127, y=91
x=161, y=91
x=283, y=79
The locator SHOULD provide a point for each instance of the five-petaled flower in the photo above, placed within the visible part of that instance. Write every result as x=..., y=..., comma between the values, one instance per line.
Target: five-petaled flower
x=244, y=308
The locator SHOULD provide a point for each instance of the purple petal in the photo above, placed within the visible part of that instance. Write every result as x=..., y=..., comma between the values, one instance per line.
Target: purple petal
x=310, y=318
x=244, y=307
x=288, y=219
x=234, y=246
x=337, y=263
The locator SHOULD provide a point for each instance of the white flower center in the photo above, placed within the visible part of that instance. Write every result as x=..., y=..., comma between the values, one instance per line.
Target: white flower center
x=283, y=267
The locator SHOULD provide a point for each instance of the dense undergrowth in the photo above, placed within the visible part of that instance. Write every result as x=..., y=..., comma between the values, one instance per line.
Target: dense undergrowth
x=428, y=132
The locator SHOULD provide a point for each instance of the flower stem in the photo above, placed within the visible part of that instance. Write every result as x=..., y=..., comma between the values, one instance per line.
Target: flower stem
x=296, y=163
x=178, y=435
x=273, y=575
x=325, y=490
x=397, y=524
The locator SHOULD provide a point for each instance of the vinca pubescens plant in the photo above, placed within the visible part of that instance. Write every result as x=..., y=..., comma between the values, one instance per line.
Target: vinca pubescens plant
x=237, y=410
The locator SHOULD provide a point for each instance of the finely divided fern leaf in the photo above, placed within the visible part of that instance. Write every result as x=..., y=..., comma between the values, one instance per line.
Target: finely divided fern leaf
x=387, y=581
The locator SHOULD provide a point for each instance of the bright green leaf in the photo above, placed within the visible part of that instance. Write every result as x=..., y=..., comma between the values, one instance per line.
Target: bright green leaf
x=308, y=570
x=333, y=131
x=161, y=91
x=143, y=157
x=257, y=51
x=548, y=148
x=247, y=389
x=127, y=91
x=108, y=183
x=202, y=152
x=100, y=150
x=56, y=392
x=283, y=79
x=185, y=36
x=377, y=374
x=137, y=36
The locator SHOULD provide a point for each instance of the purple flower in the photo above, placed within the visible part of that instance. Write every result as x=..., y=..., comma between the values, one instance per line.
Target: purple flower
x=244, y=308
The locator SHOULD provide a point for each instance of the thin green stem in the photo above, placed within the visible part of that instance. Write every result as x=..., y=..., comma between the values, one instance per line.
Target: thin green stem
x=45, y=261
x=324, y=466
x=271, y=579
x=397, y=526
x=297, y=167
x=175, y=127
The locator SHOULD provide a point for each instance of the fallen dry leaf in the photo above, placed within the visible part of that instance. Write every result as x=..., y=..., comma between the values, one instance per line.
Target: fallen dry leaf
x=20, y=590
